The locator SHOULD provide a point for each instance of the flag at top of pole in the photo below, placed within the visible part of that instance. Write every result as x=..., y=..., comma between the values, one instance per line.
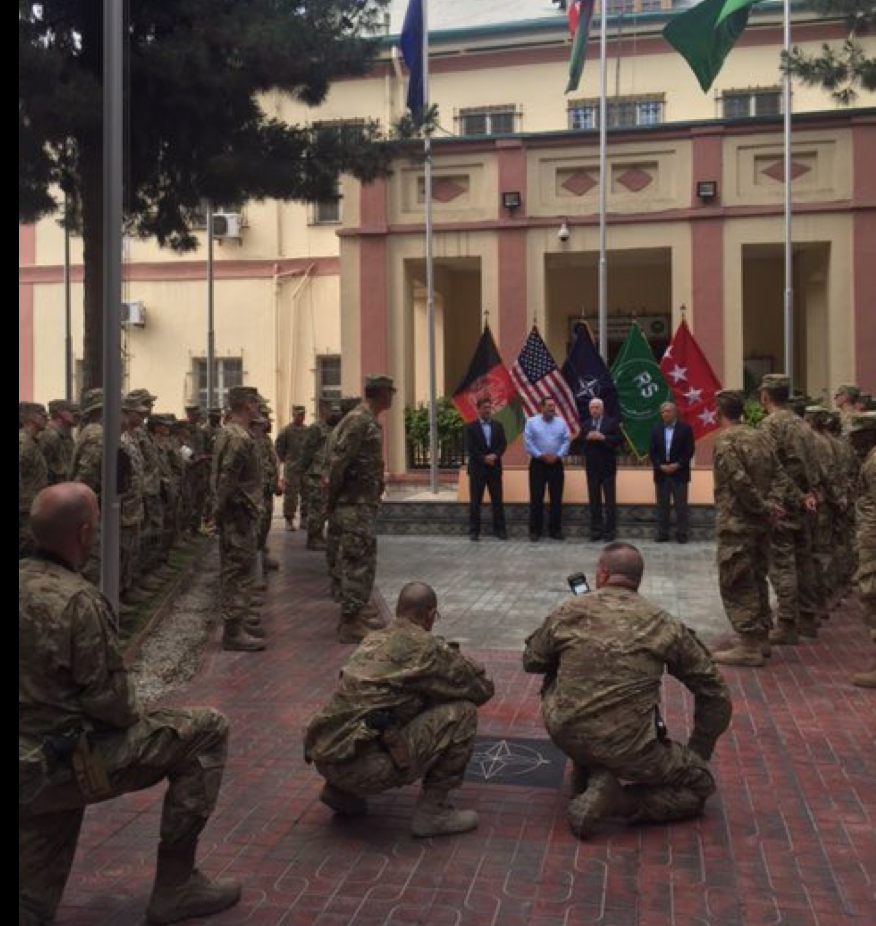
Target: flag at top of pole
x=412, y=44
x=580, y=16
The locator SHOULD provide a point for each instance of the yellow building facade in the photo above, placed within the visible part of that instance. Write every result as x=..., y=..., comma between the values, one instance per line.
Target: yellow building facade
x=309, y=298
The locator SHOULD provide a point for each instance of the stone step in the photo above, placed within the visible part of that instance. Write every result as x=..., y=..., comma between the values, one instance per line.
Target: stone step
x=451, y=519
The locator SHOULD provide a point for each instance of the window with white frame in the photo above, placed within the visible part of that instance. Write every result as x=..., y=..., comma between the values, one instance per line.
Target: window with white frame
x=328, y=376
x=622, y=112
x=743, y=104
x=488, y=120
x=228, y=372
x=328, y=211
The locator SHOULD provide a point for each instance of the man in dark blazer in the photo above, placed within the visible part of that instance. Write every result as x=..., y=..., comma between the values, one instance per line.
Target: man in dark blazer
x=485, y=443
x=672, y=449
x=601, y=439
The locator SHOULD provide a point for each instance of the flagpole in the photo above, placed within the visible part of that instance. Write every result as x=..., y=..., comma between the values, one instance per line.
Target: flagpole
x=430, y=270
x=603, y=182
x=789, y=256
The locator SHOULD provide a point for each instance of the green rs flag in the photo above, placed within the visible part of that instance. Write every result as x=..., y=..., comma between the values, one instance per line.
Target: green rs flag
x=488, y=376
x=705, y=34
x=641, y=389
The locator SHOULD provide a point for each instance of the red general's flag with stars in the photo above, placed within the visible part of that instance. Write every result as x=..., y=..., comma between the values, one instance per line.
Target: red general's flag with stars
x=692, y=381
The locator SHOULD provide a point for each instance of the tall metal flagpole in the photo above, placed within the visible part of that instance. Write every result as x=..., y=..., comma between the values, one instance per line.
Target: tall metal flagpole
x=211, y=327
x=113, y=38
x=430, y=270
x=789, y=250
x=603, y=182
x=68, y=308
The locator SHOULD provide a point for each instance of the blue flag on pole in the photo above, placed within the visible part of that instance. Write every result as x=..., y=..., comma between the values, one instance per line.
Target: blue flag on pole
x=588, y=376
x=411, y=44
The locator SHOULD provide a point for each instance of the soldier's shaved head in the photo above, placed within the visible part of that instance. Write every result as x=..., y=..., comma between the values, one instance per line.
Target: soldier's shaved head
x=622, y=561
x=415, y=601
x=57, y=518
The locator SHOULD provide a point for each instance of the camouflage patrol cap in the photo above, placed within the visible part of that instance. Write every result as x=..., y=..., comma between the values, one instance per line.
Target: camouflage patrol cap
x=817, y=413
x=238, y=394
x=26, y=409
x=379, y=381
x=863, y=422
x=56, y=406
x=775, y=381
x=298, y=409
x=737, y=394
x=192, y=406
x=143, y=396
x=216, y=411
x=848, y=390
x=92, y=400
x=135, y=402
x=162, y=420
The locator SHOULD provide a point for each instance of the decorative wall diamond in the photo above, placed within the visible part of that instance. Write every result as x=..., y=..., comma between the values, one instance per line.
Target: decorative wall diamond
x=579, y=183
x=635, y=179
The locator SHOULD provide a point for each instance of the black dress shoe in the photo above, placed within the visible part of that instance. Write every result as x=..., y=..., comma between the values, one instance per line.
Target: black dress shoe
x=474, y=538
x=609, y=538
x=501, y=535
x=662, y=538
x=681, y=538
x=595, y=538
x=534, y=538
x=557, y=536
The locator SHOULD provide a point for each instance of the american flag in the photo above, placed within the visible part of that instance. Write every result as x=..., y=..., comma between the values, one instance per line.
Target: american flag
x=537, y=377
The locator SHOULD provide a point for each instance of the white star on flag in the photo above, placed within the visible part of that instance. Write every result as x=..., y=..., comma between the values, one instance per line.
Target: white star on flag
x=707, y=416
x=693, y=395
x=692, y=381
x=678, y=373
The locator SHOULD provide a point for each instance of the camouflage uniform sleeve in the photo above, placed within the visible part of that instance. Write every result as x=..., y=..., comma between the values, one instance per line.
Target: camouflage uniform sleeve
x=309, y=446
x=730, y=469
x=281, y=445
x=90, y=463
x=229, y=468
x=106, y=693
x=349, y=435
x=451, y=676
x=691, y=663
x=539, y=655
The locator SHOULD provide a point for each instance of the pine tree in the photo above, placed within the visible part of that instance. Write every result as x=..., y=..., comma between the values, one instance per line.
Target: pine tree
x=199, y=79
x=839, y=70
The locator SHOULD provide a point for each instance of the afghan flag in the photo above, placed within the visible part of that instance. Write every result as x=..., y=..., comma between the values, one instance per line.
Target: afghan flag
x=488, y=376
x=580, y=16
x=641, y=389
x=705, y=34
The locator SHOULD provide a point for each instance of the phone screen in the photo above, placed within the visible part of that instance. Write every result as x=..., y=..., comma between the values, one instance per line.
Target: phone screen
x=578, y=583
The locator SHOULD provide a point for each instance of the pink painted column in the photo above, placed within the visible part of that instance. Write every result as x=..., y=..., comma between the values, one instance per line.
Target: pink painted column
x=864, y=253
x=511, y=251
x=373, y=282
x=26, y=258
x=707, y=260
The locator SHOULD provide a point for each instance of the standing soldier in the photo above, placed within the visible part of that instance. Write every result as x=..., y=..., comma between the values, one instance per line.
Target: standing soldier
x=237, y=489
x=56, y=441
x=131, y=507
x=197, y=472
x=355, y=485
x=314, y=468
x=289, y=443
x=845, y=398
x=270, y=473
x=862, y=434
x=747, y=500
x=87, y=465
x=333, y=530
x=32, y=471
x=152, y=558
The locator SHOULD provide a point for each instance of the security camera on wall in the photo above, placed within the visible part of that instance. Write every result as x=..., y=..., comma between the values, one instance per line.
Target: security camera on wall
x=564, y=234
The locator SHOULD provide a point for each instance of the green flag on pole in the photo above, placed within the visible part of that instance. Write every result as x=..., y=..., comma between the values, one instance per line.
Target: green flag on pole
x=641, y=389
x=705, y=34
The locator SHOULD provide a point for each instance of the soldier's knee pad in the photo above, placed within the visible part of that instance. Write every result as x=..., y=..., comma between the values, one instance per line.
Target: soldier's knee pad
x=701, y=782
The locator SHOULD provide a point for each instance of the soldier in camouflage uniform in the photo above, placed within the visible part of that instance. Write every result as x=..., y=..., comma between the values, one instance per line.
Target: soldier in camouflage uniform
x=236, y=486
x=355, y=485
x=132, y=511
x=152, y=557
x=314, y=472
x=33, y=474
x=87, y=464
x=56, y=441
x=603, y=656
x=405, y=709
x=845, y=398
x=289, y=443
x=73, y=688
x=748, y=492
x=197, y=470
x=862, y=434
x=270, y=470
x=333, y=528
x=791, y=568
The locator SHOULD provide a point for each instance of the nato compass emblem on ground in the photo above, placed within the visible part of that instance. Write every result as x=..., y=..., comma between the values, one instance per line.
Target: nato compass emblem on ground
x=504, y=758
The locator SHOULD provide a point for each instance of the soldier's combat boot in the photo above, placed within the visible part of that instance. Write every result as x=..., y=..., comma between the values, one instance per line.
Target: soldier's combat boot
x=181, y=892
x=746, y=651
x=603, y=798
x=344, y=803
x=253, y=626
x=808, y=627
x=763, y=640
x=784, y=634
x=350, y=630
x=371, y=617
x=436, y=816
x=867, y=678
x=236, y=639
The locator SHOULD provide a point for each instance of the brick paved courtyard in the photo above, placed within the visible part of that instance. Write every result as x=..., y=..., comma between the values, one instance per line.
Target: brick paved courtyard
x=788, y=839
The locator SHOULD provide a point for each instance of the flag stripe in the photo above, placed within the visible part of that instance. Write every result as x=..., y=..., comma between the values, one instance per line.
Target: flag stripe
x=537, y=377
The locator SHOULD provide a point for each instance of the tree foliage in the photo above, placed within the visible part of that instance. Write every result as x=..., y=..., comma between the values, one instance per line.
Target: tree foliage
x=202, y=121
x=844, y=69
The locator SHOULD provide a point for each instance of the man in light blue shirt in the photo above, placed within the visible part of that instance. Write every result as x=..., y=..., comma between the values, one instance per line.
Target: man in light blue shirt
x=546, y=439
